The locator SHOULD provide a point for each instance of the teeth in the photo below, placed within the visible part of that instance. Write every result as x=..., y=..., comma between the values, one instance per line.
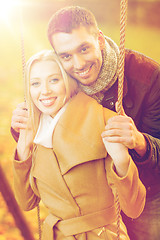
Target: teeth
x=47, y=101
x=84, y=73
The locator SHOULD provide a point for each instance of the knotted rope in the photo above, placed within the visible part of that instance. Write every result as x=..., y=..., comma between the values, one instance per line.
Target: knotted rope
x=22, y=45
x=23, y=60
x=123, y=22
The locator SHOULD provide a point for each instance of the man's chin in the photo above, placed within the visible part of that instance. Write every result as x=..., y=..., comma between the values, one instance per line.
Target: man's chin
x=86, y=82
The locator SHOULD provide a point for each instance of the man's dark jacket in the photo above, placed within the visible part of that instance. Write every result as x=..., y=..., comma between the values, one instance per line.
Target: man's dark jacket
x=142, y=103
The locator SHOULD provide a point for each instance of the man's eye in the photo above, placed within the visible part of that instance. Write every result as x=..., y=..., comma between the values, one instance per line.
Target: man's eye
x=83, y=50
x=66, y=57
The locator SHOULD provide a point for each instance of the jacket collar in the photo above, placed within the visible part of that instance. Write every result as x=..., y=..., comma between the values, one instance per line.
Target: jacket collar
x=111, y=95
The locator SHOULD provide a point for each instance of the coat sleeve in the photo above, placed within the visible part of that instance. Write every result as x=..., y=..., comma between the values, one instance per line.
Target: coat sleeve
x=151, y=111
x=14, y=134
x=131, y=191
x=144, y=97
x=152, y=157
x=155, y=156
x=24, y=194
x=150, y=124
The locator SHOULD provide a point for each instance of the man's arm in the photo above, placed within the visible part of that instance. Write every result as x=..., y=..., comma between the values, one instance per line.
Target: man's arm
x=142, y=104
x=152, y=156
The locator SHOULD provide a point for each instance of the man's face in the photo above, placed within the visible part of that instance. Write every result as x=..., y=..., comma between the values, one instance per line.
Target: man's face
x=80, y=54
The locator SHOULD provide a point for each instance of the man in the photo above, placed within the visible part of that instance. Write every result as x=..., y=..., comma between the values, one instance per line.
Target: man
x=92, y=59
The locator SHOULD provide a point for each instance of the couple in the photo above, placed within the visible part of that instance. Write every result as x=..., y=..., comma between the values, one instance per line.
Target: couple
x=92, y=59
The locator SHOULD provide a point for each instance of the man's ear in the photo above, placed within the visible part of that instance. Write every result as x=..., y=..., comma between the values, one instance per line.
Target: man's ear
x=101, y=40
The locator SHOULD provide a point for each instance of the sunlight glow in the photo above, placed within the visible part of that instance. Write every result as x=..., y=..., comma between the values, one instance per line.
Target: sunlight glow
x=6, y=8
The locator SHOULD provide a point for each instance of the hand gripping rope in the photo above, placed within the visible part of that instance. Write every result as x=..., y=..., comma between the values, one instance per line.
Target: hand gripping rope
x=123, y=21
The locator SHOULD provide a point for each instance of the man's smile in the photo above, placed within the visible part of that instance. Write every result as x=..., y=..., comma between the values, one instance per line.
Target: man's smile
x=84, y=73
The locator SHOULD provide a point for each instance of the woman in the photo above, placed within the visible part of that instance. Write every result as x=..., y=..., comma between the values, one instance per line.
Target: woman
x=62, y=159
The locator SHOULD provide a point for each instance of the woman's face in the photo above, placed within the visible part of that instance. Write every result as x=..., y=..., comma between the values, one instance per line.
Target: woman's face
x=47, y=87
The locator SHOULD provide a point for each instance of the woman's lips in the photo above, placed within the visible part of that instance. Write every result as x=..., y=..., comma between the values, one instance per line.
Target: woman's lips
x=47, y=102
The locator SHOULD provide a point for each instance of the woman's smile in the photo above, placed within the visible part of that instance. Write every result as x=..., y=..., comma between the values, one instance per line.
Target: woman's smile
x=47, y=87
x=48, y=102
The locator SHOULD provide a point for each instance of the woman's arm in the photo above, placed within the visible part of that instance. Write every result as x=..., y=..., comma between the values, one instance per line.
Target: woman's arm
x=25, y=196
x=131, y=191
x=118, y=152
x=23, y=160
x=123, y=178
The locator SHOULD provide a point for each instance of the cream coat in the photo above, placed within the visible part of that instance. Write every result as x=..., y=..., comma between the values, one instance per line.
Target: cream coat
x=76, y=180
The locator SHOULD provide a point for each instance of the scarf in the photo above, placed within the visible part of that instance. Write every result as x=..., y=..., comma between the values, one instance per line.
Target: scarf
x=46, y=128
x=108, y=73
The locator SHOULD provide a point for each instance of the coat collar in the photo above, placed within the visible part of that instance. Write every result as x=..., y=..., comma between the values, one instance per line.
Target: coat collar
x=77, y=137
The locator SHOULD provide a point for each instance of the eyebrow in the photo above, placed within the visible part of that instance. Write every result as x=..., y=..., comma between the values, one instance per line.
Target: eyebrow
x=51, y=75
x=34, y=78
x=78, y=48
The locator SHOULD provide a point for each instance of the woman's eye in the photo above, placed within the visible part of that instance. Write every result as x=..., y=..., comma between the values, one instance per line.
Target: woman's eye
x=54, y=80
x=35, y=84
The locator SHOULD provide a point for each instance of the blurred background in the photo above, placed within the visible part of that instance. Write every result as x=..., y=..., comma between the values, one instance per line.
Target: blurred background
x=142, y=34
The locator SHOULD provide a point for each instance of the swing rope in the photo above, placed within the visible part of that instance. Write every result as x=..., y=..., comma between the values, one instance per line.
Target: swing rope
x=123, y=22
x=39, y=222
x=22, y=46
x=23, y=60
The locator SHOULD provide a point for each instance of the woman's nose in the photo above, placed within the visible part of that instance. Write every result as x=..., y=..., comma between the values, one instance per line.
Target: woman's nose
x=46, y=89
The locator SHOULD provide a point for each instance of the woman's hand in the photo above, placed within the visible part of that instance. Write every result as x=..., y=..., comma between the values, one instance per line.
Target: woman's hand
x=20, y=117
x=21, y=124
x=119, y=154
x=118, y=136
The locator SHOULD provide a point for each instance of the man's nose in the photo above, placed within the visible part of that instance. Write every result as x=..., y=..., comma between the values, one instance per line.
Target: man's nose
x=78, y=62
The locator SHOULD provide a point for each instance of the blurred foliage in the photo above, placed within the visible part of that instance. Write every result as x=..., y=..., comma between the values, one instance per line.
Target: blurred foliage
x=139, y=11
x=141, y=35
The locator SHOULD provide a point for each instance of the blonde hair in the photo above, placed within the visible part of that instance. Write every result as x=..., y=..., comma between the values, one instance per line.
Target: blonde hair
x=70, y=84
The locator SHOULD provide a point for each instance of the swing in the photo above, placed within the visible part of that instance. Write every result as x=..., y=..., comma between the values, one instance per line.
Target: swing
x=123, y=21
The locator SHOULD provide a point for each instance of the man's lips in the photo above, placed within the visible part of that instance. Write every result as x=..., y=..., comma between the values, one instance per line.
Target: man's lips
x=85, y=73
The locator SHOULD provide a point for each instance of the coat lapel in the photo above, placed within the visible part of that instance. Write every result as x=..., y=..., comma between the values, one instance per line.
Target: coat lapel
x=77, y=136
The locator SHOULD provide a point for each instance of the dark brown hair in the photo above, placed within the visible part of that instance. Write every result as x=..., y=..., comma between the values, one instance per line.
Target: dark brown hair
x=69, y=18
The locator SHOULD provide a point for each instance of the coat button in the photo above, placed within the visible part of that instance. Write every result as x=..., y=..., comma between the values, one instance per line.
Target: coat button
x=111, y=103
x=149, y=189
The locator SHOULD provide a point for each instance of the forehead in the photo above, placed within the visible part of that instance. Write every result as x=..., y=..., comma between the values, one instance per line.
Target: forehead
x=44, y=67
x=65, y=42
